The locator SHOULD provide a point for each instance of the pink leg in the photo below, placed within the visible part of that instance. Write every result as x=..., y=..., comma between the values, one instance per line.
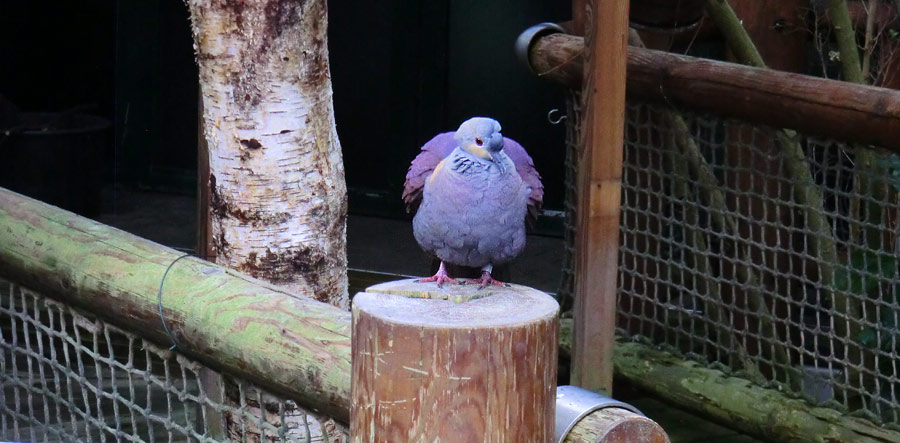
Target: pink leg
x=485, y=280
x=440, y=277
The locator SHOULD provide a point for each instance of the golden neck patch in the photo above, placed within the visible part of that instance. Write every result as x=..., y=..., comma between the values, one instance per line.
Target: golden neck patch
x=477, y=151
x=437, y=169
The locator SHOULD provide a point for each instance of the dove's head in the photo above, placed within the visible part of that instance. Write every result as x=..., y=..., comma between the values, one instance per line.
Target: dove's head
x=480, y=136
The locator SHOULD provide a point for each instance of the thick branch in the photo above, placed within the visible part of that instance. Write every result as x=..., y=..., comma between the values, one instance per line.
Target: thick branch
x=869, y=46
x=845, y=35
x=731, y=28
x=866, y=160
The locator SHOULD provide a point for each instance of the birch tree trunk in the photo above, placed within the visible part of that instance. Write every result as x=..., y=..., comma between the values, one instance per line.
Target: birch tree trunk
x=277, y=200
x=276, y=185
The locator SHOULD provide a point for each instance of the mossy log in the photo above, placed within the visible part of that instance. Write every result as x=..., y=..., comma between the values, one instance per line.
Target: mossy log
x=735, y=402
x=292, y=345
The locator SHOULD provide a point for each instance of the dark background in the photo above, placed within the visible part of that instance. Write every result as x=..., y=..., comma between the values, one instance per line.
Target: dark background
x=402, y=71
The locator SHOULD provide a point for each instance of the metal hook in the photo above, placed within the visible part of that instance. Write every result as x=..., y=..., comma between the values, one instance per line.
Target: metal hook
x=557, y=121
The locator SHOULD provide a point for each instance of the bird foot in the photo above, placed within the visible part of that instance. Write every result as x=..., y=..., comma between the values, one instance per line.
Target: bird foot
x=486, y=280
x=441, y=277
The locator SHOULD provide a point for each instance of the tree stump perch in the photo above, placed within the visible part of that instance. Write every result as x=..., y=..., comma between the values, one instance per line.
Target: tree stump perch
x=456, y=363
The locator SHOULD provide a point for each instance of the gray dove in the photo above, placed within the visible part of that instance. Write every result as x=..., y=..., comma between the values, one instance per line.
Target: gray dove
x=472, y=191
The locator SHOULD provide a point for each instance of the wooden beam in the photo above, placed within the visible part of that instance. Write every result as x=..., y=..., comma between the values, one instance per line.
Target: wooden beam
x=289, y=344
x=812, y=105
x=599, y=178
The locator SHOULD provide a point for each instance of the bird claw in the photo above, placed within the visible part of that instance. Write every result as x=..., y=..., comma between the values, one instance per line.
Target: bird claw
x=486, y=280
x=440, y=278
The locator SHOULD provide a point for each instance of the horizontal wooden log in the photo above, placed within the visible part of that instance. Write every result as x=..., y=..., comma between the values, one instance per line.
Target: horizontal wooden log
x=735, y=402
x=296, y=347
x=812, y=105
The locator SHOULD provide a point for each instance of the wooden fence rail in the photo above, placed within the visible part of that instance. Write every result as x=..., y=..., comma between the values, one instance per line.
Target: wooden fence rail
x=816, y=106
x=291, y=345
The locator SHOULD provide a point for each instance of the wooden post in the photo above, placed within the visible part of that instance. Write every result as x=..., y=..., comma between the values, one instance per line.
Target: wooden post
x=599, y=189
x=454, y=364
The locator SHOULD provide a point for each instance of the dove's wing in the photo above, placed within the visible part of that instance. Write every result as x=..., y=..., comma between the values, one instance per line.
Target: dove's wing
x=526, y=170
x=423, y=165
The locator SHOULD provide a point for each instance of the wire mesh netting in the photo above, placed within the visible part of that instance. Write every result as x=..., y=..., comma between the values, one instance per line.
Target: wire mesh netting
x=763, y=252
x=69, y=376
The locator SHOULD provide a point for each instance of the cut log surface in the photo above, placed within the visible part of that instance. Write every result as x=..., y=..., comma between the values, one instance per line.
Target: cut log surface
x=616, y=425
x=456, y=363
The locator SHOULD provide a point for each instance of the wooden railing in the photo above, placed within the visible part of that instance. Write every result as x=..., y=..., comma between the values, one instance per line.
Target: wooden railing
x=295, y=346
x=816, y=106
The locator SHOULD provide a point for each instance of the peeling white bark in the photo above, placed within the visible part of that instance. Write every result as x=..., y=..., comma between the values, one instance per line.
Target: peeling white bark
x=277, y=190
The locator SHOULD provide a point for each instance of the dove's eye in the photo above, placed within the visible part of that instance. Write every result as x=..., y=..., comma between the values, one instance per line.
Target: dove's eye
x=478, y=141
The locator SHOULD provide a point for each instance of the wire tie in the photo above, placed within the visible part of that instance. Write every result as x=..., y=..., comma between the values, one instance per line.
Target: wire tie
x=159, y=300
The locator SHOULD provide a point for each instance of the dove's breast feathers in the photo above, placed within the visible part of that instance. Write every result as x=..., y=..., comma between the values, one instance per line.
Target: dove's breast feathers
x=473, y=212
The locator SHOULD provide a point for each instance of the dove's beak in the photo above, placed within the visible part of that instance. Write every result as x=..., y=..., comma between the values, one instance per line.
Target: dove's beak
x=496, y=163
